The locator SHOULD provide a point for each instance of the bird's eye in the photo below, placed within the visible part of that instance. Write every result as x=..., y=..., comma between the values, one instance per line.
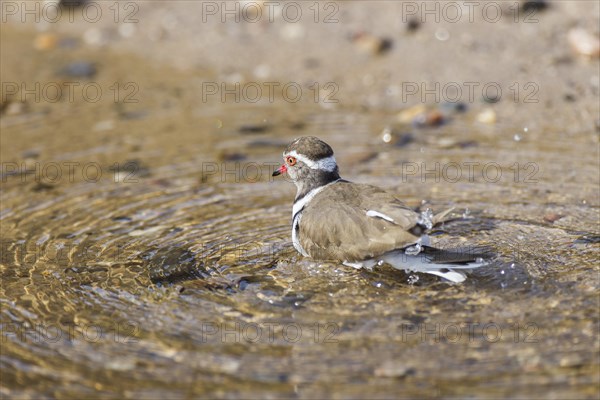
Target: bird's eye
x=291, y=161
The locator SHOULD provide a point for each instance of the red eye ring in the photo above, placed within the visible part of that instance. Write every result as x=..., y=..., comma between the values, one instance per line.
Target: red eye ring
x=291, y=161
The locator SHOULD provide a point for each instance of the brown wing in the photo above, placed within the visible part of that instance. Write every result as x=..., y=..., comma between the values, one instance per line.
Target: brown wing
x=336, y=226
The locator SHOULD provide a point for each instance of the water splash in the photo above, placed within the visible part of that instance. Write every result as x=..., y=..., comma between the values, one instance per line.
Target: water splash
x=426, y=218
x=413, y=250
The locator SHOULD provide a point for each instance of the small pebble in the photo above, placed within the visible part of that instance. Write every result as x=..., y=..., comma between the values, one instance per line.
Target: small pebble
x=413, y=25
x=442, y=34
x=106, y=125
x=487, y=116
x=45, y=41
x=15, y=108
x=79, y=69
x=551, y=217
x=408, y=115
x=432, y=118
x=537, y=5
x=372, y=44
x=249, y=129
x=584, y=42
x=394, y=369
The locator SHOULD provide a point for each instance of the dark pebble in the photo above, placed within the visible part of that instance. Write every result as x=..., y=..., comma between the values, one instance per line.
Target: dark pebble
x=297, y=125
x=535, y=5
x=413, y=25
x=431, y=119
x=254, y=128
x=226, y=156
x=386, y=45
x=79, y=69
x=570, y=98
x=132, y=115
x=42, y=187
x=404, y=139
x=30, y=154
x=72, y=3
x=457, y=107
x=134, y=168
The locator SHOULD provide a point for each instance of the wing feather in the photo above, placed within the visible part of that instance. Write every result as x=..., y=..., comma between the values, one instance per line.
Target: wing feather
x=335, y=225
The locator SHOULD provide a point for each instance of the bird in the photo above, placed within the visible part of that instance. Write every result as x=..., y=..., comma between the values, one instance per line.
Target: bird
x=362, y=225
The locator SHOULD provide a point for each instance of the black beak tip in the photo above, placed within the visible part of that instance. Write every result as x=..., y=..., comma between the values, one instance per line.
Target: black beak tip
x=276, y=173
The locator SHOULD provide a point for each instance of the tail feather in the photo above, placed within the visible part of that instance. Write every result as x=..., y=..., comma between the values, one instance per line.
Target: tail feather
x=447, y=264
x=441, y=217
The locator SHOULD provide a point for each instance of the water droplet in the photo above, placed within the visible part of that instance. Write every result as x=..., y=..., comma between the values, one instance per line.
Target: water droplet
x=378, y=285
x=466, y=213
x=517, y=137
x=426, y=218
x=502, y=272
x=512, y=266
x=413, y=250
x=526, y=129
x=386, y=135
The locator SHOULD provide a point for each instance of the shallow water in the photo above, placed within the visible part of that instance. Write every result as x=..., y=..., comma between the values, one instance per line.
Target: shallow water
x=163, y=267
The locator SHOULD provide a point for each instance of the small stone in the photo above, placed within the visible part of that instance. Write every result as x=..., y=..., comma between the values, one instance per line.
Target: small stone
x=72, y=3
x=584, y=42
x=435, y=118
x=487, y=116
x=258, y=128
x=551, y=217
x=534, y=5
x=79, y=69
x=394, y=369
x=442, y=34
x=413, y=24
x=95, y=37
x=45, y=41
x=230, y=156
x=106, y=125
x=15, y=108
x=456, y=107
x=31, y=153
x=292, y=32
x=571, y=360
x=372, y=44
x=408, y=115
x=262, y=71
x=399, y=139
